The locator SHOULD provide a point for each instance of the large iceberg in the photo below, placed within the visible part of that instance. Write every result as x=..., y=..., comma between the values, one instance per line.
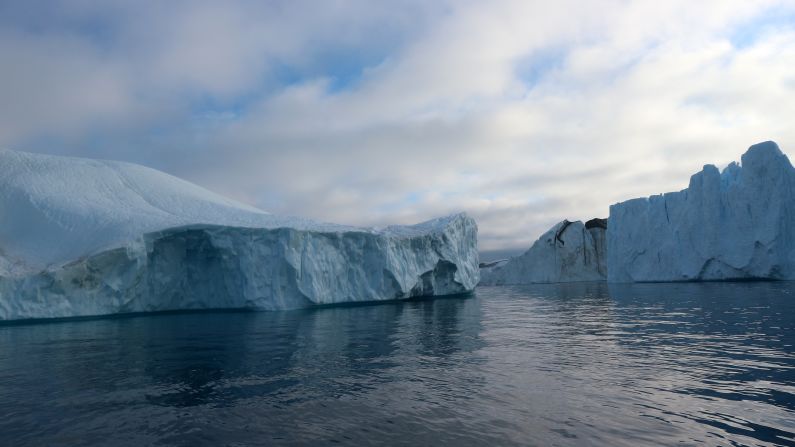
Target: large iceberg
x=735, y=224
x=82, y=237
x=568, y=252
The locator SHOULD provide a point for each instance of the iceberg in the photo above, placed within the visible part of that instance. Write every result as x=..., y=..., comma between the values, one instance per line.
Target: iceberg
x=729, y=225
x=82, y=237
x=567, y=252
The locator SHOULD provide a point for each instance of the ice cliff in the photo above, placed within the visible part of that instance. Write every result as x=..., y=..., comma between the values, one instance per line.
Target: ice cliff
x=82, y=237
x=568, y=252
x=735, y=224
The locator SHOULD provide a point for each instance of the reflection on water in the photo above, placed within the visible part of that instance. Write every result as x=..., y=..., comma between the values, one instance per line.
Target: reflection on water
x=576, y=364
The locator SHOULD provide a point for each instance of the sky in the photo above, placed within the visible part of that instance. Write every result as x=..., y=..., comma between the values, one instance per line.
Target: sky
x=519, y=112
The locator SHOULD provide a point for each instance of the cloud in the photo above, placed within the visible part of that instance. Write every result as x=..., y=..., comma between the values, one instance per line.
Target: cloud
x=520, y=113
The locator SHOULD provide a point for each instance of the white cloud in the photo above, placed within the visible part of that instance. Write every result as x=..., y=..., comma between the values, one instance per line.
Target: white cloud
x=440, y=117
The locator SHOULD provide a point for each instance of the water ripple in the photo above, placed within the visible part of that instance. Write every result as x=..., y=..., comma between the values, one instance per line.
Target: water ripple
x=577, y=364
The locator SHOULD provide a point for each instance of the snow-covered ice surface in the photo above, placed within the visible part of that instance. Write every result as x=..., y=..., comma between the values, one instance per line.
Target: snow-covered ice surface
x=735, y=224
x=56, y=209
x=82, y=237
x=568, y=252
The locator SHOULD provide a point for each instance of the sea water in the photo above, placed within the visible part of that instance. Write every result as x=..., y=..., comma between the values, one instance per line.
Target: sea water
x=576, y=364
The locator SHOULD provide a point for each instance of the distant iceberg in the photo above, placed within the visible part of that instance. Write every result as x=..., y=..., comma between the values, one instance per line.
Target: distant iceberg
x=567, y=252
x=81, y=237
x=735, y=224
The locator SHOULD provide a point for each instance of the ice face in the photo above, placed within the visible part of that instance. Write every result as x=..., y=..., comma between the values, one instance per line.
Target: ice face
x=735, y=224
x=85, y=237
x=568, y=252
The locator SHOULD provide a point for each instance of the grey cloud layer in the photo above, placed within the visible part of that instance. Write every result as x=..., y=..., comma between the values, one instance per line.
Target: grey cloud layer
x=438, y=114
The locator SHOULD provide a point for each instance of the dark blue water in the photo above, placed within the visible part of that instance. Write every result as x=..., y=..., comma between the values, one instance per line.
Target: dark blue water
x=587, y=364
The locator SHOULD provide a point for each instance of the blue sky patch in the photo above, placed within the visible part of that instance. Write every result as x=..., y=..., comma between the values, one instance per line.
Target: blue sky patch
x=533, y=69
x=748, y=33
